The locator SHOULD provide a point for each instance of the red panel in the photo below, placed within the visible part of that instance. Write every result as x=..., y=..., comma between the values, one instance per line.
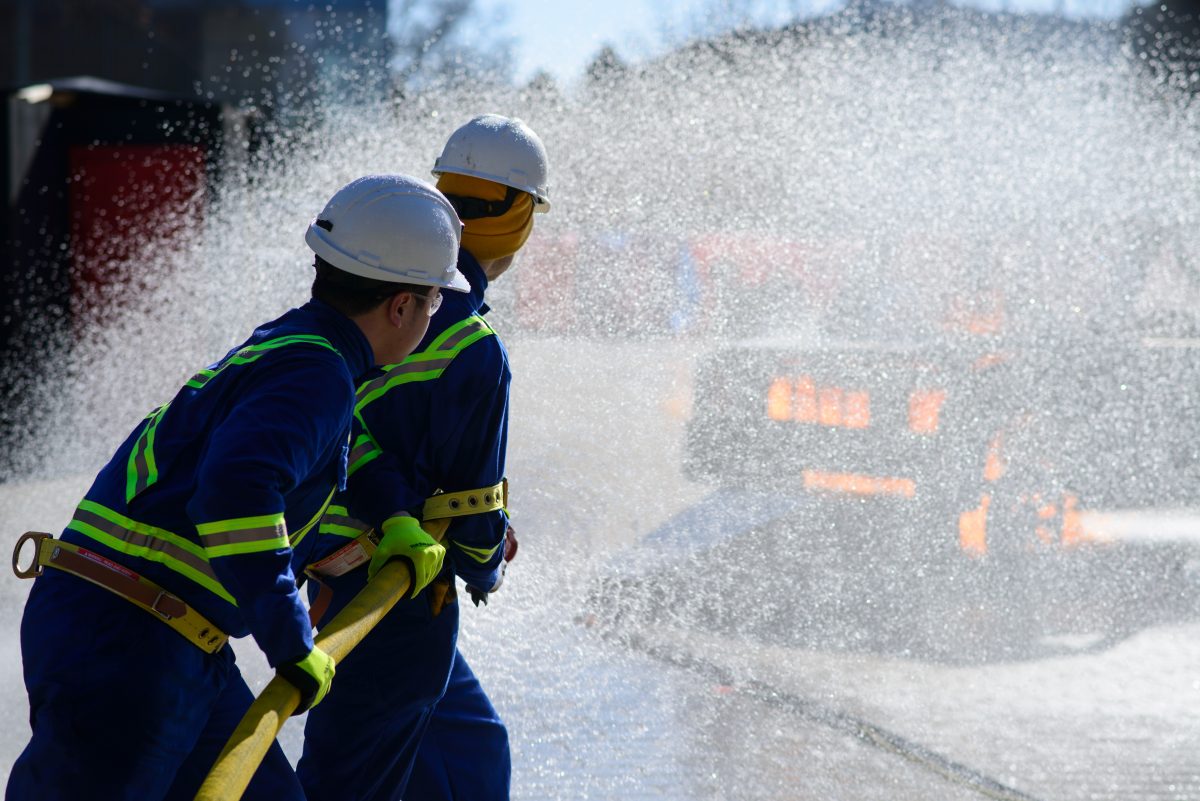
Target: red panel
x=126, y=203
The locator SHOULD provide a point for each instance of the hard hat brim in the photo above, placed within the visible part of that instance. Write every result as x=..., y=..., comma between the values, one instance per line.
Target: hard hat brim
x=316, y=239
x=459, y=282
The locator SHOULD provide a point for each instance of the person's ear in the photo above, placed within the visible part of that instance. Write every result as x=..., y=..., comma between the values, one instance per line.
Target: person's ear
x=397, y=306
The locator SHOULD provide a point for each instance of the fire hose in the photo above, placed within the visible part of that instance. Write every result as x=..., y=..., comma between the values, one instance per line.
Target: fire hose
x=250, y=741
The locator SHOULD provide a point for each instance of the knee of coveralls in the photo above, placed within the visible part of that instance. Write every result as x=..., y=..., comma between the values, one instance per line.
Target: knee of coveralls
x=117, y=698
x=465, y=753
x=360, y=741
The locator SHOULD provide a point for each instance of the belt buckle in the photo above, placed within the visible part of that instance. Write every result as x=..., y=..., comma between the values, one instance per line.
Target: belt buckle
x=35, y=567
x=154, y=606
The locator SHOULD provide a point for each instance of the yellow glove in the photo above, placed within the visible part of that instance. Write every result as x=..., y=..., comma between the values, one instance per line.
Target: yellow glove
x=312, y=676
x=403, y=538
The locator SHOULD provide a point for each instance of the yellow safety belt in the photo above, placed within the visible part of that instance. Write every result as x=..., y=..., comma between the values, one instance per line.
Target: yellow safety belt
x=119, y=580
x=443, y=507
x=468, y=502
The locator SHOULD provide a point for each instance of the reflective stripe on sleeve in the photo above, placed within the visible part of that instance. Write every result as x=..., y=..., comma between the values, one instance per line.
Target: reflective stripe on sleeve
x=480, y=555
x=243, y=535
x=136, y=539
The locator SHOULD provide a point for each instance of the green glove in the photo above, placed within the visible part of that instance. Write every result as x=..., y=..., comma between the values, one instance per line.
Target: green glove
x=311, y=675
x=403, y=538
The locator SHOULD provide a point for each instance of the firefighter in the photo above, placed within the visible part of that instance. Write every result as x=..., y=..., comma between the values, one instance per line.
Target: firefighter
x=187, y=535
x=431, y=448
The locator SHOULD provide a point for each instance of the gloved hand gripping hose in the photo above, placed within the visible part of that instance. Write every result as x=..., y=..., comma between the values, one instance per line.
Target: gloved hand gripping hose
x=404, y=539
x=311, y=675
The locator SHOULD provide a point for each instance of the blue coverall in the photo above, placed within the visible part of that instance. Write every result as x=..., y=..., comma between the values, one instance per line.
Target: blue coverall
x=210, y=497
x=405, y=689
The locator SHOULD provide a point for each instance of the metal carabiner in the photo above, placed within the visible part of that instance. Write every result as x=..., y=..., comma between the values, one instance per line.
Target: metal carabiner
x=35, y=568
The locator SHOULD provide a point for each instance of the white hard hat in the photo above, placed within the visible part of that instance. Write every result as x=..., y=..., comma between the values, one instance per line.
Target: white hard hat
x=500, y=149
x=391, y=228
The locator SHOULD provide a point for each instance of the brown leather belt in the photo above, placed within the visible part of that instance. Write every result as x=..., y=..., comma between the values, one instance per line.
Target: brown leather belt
x=120, y=580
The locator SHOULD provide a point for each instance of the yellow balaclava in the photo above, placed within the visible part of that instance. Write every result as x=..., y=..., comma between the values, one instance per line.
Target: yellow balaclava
x=488, y=238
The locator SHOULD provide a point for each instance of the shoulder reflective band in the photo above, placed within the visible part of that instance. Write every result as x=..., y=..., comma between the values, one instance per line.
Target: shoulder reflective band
x=428, y=364
x=139, y=540
x=252, y=353
x=243, y=535
x=467, y=502
x=142, y=469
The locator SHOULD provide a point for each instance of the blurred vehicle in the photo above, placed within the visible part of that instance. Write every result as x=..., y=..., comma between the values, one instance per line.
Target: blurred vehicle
x=101, y=179
x=903, y=461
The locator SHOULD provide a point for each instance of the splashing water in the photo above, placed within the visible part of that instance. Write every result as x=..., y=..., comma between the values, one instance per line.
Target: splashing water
x=868, y=179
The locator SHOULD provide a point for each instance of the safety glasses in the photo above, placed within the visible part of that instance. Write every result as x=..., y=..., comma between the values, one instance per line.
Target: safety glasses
x=432, y=302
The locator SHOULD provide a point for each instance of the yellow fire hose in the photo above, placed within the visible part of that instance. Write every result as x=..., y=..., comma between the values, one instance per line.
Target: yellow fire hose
x=261, y=724
x=252, y=738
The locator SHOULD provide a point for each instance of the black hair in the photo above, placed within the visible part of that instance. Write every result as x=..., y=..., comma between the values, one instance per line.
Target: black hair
x=352, y=294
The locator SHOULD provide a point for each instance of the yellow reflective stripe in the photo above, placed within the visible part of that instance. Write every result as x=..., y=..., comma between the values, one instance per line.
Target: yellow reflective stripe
x=142, y=470
x=446, y=340
x=294, y=539
x=338, y=522
x=252, y=353
x=242, y=548
x=243, y=535
x=365, y=449
x=420, y=367
x=132, y=538
x=151, y=462
x=383, y=385
x=428, y=364
x=201, y=378
x=465, y=338
x=240, y=523
x=480, y=555
x=349, y=532
x=363, y=462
